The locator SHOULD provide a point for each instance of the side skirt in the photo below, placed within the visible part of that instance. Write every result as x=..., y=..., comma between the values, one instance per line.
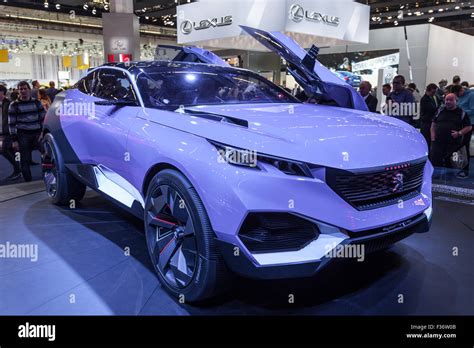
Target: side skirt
x=111, y=186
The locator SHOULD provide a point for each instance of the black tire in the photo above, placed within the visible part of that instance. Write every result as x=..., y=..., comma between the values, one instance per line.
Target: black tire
x=175, y=222
x=61, y=186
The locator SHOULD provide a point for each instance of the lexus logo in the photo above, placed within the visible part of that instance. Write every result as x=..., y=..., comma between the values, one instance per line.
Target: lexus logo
x=298, y=13
x=397, y=182
x=187, y=26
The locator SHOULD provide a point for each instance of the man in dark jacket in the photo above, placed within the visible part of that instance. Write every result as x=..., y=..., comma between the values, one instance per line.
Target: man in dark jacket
x=25, y=121
x=364, y=89
x=440, y=91
x=449, y=126
x=429, y=104
x=6, y=148
x=52, y=91
x=401, y=103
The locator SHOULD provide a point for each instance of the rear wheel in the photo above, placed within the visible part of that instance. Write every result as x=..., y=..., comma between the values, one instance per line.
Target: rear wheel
x=62, y=188
x=180, y=239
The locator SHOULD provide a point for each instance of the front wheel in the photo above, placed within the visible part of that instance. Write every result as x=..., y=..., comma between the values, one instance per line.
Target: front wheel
x=180, y=239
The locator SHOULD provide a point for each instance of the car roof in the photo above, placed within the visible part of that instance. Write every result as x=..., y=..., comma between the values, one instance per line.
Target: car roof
x=170, y=65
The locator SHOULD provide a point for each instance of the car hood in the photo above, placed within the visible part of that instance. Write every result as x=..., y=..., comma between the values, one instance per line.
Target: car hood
x=317, y=134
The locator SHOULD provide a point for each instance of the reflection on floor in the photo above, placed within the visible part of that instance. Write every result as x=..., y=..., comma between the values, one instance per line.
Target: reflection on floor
x=83, y=268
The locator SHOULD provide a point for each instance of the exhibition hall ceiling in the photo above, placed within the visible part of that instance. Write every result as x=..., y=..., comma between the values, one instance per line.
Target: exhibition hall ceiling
x=453, y=14
x=153, y=12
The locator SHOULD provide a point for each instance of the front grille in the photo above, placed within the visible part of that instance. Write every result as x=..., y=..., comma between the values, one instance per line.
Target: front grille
x=276, y=232
x=377, y=188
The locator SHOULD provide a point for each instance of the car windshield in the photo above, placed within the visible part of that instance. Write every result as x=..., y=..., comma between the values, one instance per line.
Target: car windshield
x=185, y=87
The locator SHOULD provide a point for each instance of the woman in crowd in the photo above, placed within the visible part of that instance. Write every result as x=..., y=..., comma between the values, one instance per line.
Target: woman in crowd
x=44, y=99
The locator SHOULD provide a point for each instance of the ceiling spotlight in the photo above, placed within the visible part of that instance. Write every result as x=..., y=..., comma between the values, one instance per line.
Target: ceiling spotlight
x=395, y=23
x=431, y=19
x=430, y=11
x=85, y=7
x=58, y=6
x=440, y=10
x=94, y=11
x=46, y=5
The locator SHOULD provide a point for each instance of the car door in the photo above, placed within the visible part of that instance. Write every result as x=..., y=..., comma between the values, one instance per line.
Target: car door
x=315, y=79
x=96, y=117
x=115, y=108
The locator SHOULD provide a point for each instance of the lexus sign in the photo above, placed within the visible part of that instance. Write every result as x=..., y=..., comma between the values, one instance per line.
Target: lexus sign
x=217, y=23
x=187, y=26
x=298, y=14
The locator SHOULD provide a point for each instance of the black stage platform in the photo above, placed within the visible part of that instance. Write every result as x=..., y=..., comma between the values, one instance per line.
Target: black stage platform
x=82, y=268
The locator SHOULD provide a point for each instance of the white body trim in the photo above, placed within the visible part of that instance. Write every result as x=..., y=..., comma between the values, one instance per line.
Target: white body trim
x=329, y=238
x=116, y=187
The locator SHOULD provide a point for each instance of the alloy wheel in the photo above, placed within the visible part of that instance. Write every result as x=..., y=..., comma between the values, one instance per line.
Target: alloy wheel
x=171, y=236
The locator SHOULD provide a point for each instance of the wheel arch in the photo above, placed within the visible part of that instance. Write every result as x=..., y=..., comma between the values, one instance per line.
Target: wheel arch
x=155, y=169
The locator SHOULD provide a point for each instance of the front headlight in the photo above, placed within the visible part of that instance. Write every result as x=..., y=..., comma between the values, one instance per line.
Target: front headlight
x=251, y=159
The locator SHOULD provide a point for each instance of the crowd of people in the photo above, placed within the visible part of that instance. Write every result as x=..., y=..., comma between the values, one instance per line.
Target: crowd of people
x=45, y=94
x=23, y=110
x=446, y=115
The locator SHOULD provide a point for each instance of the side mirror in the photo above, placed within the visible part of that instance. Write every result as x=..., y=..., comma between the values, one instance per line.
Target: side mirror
x=118, y=103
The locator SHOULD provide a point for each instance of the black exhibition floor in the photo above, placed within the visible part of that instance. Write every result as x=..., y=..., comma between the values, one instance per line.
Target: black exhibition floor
x=82, y=269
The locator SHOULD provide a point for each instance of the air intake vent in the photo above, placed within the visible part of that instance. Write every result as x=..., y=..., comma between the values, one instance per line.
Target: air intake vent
x=276, y=232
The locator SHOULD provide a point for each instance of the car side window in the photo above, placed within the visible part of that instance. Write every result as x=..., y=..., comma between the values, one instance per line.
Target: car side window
x=86, y=84
x=114, y=85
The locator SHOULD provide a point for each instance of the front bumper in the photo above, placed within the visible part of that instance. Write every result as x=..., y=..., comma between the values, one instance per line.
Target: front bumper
x=239, y=263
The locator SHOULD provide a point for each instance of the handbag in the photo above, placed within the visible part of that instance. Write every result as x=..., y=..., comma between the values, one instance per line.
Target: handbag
x=459, y=158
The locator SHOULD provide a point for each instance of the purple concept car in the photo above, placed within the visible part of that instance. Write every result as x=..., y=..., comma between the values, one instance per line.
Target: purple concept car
x=230, y=173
